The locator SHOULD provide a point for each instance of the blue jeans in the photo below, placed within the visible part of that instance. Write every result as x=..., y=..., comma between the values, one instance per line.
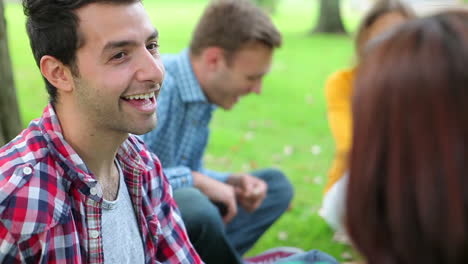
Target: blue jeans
x=218, y=243
x=310, y=257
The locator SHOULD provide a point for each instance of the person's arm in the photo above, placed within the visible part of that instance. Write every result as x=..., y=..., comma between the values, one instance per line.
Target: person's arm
x=249, y=191
x=220, y=176
x=338, y=95
x=217, y=192
x=179, y=176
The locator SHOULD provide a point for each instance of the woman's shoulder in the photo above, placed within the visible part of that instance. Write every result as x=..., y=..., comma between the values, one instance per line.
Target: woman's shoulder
x=343, y=76
x=339, y=84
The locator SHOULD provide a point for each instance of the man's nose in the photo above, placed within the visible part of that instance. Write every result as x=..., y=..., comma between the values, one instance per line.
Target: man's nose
x=150, y=68
x=257, y=87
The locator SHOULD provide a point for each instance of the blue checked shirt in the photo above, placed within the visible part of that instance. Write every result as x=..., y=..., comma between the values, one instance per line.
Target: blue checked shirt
x=181, y=134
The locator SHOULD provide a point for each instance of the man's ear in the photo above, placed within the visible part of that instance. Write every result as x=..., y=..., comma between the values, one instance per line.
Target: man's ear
x=213, y=58
x=57, y=73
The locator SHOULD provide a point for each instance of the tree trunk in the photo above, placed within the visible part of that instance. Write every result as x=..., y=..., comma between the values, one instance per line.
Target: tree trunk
x=10, y=121
x=2, y=138
x=329, y=18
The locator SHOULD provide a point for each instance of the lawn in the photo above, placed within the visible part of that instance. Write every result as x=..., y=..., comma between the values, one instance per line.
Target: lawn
x=285, y=127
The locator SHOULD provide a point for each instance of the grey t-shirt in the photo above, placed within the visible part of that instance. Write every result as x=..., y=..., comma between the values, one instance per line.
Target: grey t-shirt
x=121, y=236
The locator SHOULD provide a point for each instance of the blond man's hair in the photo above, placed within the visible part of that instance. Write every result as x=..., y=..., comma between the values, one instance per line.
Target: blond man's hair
x=231, y=24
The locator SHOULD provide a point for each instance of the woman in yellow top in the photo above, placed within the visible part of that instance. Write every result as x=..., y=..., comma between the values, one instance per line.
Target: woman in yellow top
x=383, y=16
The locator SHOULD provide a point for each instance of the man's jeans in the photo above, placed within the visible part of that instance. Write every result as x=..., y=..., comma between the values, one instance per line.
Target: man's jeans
x=217, y=243
x=310, y=257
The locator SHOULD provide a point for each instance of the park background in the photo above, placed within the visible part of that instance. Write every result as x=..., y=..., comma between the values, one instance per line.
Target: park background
x=285, y=127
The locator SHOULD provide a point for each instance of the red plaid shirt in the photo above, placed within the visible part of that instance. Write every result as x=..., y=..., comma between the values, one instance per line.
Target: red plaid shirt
x=51, y=206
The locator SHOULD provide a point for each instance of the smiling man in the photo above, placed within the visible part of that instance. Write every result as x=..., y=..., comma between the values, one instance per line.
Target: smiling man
x=230, y=53
x=75, y=186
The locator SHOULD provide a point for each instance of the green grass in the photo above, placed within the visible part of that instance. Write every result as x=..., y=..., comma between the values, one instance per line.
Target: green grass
x=289, y=115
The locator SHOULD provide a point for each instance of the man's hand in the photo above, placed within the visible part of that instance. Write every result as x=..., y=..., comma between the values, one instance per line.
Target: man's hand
x=218, y=192
x=250, y=190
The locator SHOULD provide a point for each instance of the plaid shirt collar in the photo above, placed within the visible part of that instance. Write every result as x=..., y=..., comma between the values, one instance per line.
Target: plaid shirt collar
x=78, y=173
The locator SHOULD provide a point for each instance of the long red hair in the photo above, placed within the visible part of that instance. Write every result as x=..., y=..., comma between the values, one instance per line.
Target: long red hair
x=407, y=197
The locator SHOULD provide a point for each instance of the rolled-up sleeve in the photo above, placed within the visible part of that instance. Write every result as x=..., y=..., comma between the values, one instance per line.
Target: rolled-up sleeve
x=179, y=176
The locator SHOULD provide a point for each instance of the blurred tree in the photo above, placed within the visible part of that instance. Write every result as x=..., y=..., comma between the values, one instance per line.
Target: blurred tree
x=329, y=18
x=10, y=121
x=268, y=5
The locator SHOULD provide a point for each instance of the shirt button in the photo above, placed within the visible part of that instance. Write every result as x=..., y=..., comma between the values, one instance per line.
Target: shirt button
x=94, y=234
x=93, y=191
x=27, y=170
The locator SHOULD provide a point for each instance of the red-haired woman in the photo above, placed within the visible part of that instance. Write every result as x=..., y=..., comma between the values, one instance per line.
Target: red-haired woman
x=408, y=184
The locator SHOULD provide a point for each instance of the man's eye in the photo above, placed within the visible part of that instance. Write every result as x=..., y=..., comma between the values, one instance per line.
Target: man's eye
x=152, y=46
x=119, y=56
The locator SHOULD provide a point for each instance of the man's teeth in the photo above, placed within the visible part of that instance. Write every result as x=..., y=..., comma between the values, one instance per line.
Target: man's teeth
x=140, y=96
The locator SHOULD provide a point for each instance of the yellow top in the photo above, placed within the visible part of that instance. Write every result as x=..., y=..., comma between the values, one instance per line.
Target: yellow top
x=338, y=92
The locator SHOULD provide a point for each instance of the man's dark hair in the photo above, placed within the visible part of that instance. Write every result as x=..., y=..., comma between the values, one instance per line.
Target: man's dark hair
x=52, y=27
